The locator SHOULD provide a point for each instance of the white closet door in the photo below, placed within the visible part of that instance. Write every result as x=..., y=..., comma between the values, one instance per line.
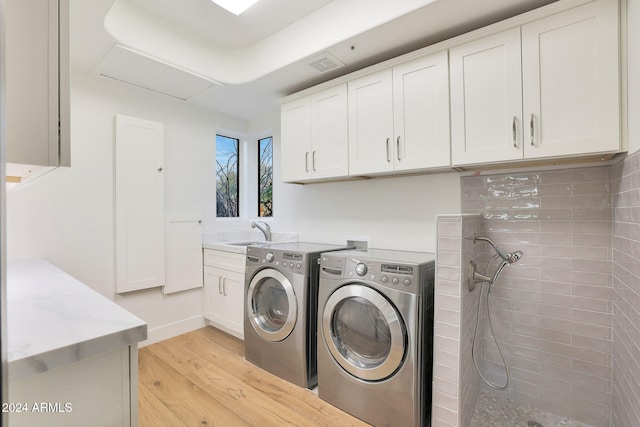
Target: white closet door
x=184, y=256
x=139, y=204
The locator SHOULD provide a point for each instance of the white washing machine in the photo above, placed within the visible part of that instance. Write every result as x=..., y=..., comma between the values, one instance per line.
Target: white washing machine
x=281, y=290
x=375, y=335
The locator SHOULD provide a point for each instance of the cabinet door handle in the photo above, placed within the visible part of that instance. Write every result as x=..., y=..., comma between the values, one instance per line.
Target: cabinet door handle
x=313, y=161
x=388, y=158
x=220, y=285
x=532, y=129
x=515, y=134
x=398, y=148
x=306, y=161
x=224, y=286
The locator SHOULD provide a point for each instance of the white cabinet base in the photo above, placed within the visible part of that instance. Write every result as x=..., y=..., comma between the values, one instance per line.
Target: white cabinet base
x=100, y=391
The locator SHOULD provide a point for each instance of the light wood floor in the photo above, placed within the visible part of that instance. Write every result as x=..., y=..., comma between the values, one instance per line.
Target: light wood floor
x=202, y=379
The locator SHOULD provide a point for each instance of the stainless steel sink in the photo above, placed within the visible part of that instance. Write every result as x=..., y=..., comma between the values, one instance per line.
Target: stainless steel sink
x=248, y=243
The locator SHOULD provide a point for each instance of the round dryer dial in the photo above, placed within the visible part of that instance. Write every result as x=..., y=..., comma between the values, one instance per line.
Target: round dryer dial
x=269, y=257
x=361, y=269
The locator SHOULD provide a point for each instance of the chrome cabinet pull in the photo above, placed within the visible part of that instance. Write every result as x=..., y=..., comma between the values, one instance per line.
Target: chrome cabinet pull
x=220, y=285
x=306, y=161
x=224, y=286
x=515, y=135
x=388, y=158
x=532, y=130
x=313, y=161
x=398, y=148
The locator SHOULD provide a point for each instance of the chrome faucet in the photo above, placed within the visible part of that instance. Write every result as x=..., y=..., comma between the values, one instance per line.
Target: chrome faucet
x=266, y=230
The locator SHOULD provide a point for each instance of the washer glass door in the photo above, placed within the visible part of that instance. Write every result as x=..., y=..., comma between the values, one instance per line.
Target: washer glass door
x=272, y=307
x=364, y=332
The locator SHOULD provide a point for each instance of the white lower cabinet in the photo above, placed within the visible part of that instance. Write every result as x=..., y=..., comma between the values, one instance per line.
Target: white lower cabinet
x=224, y=290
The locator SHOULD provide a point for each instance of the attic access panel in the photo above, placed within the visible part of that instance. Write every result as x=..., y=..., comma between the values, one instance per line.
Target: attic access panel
x=135, y=68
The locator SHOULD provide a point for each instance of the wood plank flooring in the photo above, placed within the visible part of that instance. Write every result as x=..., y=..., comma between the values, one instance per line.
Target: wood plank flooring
x=202, y=379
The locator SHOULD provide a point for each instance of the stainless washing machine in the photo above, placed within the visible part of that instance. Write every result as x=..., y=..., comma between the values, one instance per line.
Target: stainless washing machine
x=375, y=335
x=281, y=290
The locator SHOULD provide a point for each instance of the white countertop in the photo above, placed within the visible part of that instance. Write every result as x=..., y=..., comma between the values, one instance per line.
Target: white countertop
x=54, y=319
x=224, y=241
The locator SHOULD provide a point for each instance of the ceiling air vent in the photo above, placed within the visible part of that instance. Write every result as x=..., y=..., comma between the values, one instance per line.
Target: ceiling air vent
x=325, y=62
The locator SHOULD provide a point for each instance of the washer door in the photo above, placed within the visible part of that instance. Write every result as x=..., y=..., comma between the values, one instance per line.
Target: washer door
x=272, y=308
x=364, y=332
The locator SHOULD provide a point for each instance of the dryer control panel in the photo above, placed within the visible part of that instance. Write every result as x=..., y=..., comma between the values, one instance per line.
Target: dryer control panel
x=404, y=277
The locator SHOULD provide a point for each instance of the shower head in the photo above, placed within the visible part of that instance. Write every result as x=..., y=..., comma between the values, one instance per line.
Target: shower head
x=514, y=257
x=506, y=256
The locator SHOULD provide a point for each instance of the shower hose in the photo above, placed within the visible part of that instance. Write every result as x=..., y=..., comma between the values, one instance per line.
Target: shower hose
x=475, y=333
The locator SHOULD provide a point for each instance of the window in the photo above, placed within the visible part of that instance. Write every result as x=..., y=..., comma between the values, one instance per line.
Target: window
x=227, y=177
x=265, y=177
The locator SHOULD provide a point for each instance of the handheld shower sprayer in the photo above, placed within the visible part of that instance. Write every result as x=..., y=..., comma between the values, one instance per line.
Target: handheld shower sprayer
x=474, y=277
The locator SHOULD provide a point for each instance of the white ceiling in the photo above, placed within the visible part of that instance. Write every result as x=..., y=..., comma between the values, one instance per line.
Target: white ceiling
x=225, y=29
x=269, y=46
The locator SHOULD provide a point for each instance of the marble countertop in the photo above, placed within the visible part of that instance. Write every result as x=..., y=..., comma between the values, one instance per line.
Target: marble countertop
x=54, y=319
x=228, y=241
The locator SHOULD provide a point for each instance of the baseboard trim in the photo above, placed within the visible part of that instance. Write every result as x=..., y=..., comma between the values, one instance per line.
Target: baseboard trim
x=171, y=330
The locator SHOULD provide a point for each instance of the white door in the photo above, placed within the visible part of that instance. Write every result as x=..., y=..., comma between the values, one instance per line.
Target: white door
x=224, y=299
x=183, y=255
x=371, y=123
x=486, y=99
x=139, y=204
x=330, y=144
x=421, y=113
x=296, y=140
x=570, y=76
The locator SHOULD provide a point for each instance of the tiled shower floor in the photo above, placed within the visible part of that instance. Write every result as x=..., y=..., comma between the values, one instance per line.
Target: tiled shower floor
x=496, y=411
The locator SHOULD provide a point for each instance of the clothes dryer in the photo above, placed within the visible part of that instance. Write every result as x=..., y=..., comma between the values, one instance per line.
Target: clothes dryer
x=281, y=290
x=375, y=335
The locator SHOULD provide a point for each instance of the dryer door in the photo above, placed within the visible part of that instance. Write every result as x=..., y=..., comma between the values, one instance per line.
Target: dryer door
x=364, y=332
x=271, y=305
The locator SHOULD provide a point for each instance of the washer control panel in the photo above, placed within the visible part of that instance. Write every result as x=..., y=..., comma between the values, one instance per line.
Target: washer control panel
x=285, y=261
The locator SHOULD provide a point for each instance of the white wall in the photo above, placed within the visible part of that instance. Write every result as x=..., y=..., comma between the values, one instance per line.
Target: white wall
x=67, y=215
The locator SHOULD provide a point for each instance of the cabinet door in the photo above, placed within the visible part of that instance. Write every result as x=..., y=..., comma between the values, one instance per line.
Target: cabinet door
x=224, y=299
x=421, y=113
x=486, y=99
x=330, y=146
x=571, y=85
x=32, y=82
x=183, y=265
x=296, y=140
x=139, y=204
x=371, y=123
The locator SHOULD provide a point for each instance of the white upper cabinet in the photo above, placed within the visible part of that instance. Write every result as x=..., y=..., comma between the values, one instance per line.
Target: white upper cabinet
x=571, y=84
x=314, y=136
x=486, y=99
x=329, y=136
x=295, y=146
x=371, y=123
x=399, y=118
x=37, y=86
x=562, y=101
x=421, y=113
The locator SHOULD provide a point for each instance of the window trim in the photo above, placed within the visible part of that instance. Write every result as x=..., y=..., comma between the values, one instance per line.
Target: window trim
x=238, y=175
x=258, y=141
